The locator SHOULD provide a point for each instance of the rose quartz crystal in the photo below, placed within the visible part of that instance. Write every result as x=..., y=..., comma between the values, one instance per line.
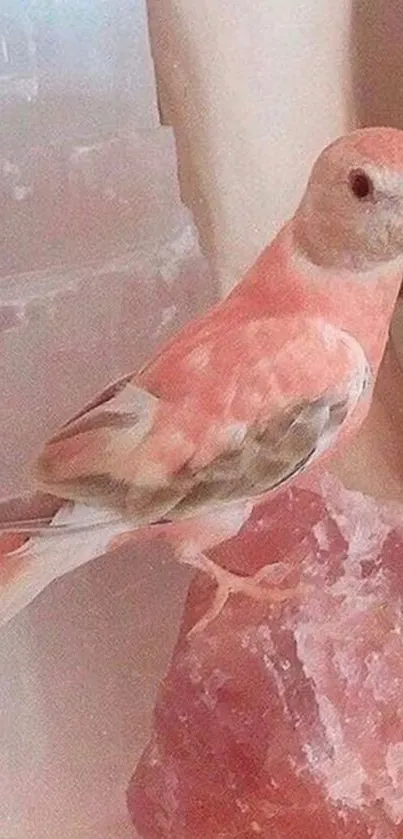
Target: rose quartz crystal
x=287, y=721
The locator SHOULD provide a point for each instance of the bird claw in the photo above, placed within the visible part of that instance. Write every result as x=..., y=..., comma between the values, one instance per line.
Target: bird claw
x=229, y=583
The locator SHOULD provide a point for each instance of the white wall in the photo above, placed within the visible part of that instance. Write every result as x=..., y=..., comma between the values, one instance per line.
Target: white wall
x=254, y=89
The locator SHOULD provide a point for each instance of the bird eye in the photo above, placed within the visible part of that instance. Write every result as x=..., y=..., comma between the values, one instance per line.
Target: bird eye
x=360, y=184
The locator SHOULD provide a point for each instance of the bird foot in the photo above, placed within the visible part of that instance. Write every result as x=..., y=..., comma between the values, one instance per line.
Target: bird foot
x=261, y=587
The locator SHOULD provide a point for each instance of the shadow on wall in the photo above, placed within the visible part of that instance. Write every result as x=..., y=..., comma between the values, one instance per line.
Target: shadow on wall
x=377, y=61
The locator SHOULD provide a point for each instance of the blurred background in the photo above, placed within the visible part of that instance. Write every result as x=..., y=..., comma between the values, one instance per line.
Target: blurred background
x=100, y=260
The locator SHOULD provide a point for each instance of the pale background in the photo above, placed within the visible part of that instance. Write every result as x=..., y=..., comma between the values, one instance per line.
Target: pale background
x=101, y=262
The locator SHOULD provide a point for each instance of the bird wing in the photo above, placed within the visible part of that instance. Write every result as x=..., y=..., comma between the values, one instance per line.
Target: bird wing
x=236, y=416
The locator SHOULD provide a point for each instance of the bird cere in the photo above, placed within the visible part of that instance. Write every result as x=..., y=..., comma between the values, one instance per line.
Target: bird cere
x=245, y=398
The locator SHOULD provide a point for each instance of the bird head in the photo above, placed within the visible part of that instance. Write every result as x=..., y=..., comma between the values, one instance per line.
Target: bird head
x=351, y=215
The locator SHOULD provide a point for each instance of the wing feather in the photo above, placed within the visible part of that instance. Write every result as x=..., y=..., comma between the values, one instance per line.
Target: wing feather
x=237, y=432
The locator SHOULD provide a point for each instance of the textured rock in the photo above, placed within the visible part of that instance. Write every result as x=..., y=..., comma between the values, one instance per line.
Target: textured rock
x=288, y=722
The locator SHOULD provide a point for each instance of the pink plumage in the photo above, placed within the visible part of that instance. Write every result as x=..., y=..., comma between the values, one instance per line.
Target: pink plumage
x=245, y=398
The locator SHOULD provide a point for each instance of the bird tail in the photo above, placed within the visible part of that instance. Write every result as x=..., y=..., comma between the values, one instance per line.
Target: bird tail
x=18, y=585
x=35, y=552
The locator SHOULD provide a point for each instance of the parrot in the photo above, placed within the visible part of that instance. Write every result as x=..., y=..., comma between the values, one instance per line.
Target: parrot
x=243, y=399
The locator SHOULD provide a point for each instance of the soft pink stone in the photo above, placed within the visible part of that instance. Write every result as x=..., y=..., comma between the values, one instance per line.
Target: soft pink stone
x=288, y=721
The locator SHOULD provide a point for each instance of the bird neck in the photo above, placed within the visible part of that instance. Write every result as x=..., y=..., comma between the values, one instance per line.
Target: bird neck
x=284, y=282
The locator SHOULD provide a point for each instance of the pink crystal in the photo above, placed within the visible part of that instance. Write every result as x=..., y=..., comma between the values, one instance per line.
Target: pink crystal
x=288, y=722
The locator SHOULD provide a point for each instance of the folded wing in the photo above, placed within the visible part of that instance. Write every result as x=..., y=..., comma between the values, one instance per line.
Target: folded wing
x=261, y=405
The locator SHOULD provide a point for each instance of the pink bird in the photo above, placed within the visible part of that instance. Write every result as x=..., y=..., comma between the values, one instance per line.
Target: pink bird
x=247, y=397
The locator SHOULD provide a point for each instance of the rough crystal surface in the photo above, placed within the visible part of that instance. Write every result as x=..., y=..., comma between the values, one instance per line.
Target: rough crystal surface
x=288, y=722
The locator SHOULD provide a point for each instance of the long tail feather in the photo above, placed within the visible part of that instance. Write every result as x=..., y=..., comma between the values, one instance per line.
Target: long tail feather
x=31, y=557
x=35, y=552
x=35, y=526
